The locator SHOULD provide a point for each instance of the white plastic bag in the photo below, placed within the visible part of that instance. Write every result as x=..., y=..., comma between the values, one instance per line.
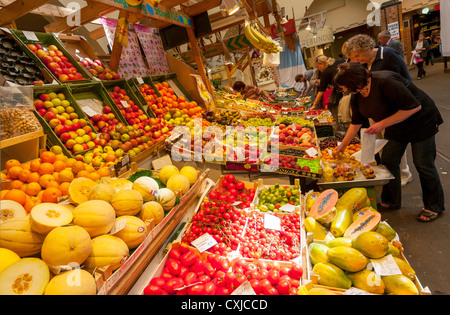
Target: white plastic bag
x=271, y=60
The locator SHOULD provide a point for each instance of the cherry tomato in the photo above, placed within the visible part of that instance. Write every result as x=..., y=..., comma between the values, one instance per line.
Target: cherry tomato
x=204, y=279
x=175, y=253
x=190, y=278
x=153, y=290
x=284, y=287
x=274, y=276
x=189, y=258
x=209, y=289
x=158, y=281
x=197, y=289
x=256, y=285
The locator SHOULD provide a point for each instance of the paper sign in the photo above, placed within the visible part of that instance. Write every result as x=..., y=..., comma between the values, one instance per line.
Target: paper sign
x=312, y=152
x=386, y=266
x=118, y=225
x=244, y=289
x=30, y=35
x=356, y=291
x=204, y=242
x=288, y=208
x=272, y=222
x=88, y=111
x=125, y=103
x=140, y=80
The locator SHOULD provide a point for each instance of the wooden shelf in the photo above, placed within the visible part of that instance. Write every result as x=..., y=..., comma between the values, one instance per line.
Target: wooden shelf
x=23, y=138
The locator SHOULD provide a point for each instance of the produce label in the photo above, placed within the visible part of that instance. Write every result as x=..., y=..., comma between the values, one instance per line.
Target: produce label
x=204, y=242
x=386, y=266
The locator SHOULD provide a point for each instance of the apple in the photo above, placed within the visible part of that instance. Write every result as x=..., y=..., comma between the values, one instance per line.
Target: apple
x=65, y=136
x=49, y=115
x=63, y=78
x=52, y=48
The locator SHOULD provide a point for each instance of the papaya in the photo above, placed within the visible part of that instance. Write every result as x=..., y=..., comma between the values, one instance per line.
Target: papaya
x=359, y=213
x=323, y=208
x=318, y=230
x=320, y=291
x=347, y=258
x=368, y=281
x=342, y=221
x=386, y=230
x=371, y=244
x=366, y=223
x=310, y=198
x=339, y=241
x=353, y=199
x=394, y=251
x=399, y=285
x=332, y=276
x=405, y=268
x=317, y=253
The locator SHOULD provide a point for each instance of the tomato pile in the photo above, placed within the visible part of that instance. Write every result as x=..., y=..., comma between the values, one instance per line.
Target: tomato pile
x=185, y=273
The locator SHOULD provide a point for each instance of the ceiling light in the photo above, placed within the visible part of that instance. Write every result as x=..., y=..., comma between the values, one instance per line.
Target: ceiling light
x=308, y=28
x=231, y=6
x=425, y=10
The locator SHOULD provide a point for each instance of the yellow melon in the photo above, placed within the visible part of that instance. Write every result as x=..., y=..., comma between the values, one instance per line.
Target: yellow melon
x=107, y=250
x=7, y=257
x=11, y=209
x=152, y=210
x=132, y=230
x=28, y=276
x=191, y=173
x=79, y=190
x=46, y=216
x=73, y=282
x=66, y=245
x=127, y=202
x=121, y=183
x=147, y=187
x=166, y=172
x=16, y=235
x=95, y=216
x=103, y=192
x=178, y=183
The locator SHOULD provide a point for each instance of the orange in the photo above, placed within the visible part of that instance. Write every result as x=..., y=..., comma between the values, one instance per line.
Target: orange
x=70, y=162
x=16, y=195
x=53, y=183
x=165, y=84
x=83, y=173
x=78, y=166
x=65, y=175
x=33, y=189
x=64, y=187
x=90, y=168
x=34, y=177
x=104, y=172
x=16, y=184
x=23, y=176
x=24, y=188
x=26, y=165
x=48, y=157
x=61, y=157
x=45, y=180
x=11, y=163
x=94, y=176
x=51, y=195
x=3, y=192
x=30, y=203
x=59, y=166
x=34, y=165
x=46, y=168
x=14, y=172
x=56, y=176
x=3, y=176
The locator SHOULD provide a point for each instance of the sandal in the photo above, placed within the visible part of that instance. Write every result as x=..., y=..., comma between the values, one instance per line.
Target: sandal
x=431, y=216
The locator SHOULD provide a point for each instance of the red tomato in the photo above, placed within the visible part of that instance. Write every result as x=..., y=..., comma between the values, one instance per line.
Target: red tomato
x=296, y=271
x=197, y=289
x=222, y=291
x=173, y=266
x=183, y=271
x=256, y=285
x=172, y=284
x=189, y=258
x=239, y=280
x=190, y=278
x=209, y=269
x=209, y=289
x=229, y=178
x=284, y=287
x=285, y=271
x=274, y=276
x=175, y=253
x=199, y=267
x=229, y=277
x=204, y=279
x=183, y=247
x=158, y=281
x=152, y=290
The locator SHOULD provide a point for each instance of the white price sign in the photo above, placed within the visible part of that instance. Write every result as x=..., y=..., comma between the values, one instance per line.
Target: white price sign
x=204, y=242
x=272, y=222
x=386, y=266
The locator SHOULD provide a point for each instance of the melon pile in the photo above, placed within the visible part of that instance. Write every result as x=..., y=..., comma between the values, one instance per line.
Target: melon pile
x=105, y=220
x=350, y=233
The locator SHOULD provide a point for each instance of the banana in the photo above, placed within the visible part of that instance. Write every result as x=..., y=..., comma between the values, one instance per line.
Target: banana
x=251, y=38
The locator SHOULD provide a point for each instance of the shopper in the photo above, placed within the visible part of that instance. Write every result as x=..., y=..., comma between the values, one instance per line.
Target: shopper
x=385, y=40
x=251, y=92
x=420, y=51
x=398, y=107
x=361, y=48
x=327, y=66
x=305, y=81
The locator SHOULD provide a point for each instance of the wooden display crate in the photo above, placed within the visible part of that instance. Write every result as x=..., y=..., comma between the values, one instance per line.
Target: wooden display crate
x=262, y=186
x=174, y=83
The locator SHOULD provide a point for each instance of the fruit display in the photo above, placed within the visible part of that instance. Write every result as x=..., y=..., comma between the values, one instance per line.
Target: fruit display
x=133, y=114
x=273, y=198
x=97, y=69
x=16, y=66
x=296, y=135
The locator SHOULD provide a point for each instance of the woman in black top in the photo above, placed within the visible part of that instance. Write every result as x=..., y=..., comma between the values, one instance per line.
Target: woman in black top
x=408, y=115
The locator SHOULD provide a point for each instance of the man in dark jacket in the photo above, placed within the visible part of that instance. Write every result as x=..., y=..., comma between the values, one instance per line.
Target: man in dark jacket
x=385, y=39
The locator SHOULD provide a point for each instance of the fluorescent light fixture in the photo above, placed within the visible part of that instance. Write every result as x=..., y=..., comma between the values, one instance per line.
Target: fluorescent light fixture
x=231, y=6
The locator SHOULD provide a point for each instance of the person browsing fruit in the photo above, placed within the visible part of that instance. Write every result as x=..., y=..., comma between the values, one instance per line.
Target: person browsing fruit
x=251, y=91
x=399, y=107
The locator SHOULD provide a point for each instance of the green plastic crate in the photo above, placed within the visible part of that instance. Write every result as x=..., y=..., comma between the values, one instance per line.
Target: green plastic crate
x=172, y=76
x=46, y=40
x=123, y=84
x=52, y=138
x=135, y=85
x=95, y=90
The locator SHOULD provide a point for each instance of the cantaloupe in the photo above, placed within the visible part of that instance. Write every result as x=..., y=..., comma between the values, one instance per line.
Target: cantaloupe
x=11, y=209
x=72, y=282
x=28, y=276
x=191, y=173
x=365, y=223
x=323, y=208
x=46, y=216
x=7, y=257
x=16, y=234
x=167, y=171
x=66, y=245
x=79, y=190
x=103, y=192
x=178, y=183
x=127, y=202
x=147, y=187
x=121, y=183
x=166, y=198
x=95, y=216
x=107, y=250
x=152, y=210
x=133, y=231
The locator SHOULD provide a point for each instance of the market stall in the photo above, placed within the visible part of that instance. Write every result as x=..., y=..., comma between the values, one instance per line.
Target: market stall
x=99, y=176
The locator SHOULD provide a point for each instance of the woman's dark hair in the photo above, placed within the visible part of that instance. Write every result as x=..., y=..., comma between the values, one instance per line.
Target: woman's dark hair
x=239, y=85
x=352, y=75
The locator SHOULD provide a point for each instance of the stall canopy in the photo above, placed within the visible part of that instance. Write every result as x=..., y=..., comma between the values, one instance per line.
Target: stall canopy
x=291, y=64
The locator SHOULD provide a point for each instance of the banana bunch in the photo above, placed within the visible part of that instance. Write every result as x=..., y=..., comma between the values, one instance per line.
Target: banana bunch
x=259, y=41
x=154, y=3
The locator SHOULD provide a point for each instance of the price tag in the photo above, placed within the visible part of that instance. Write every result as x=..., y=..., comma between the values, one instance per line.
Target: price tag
x=356, y=291
x=386, y=266
x=88, y=111
x=272, y=222
x=118, y=225
x=140, y=80
x=288, y=208
x=30, y=35
x=6, y=30
x=204, y=242
x=125, y=103
x=244, y=289
x=312, y=152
